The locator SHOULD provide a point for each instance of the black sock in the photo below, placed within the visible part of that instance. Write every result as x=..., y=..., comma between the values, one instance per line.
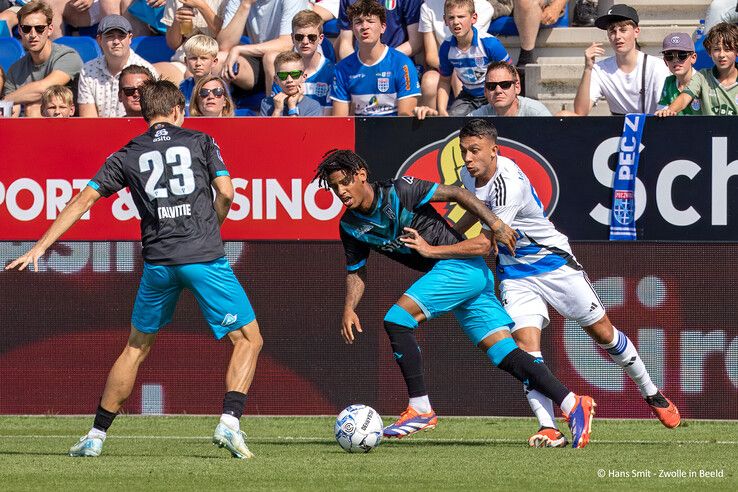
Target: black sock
x=535, y=375
x=525, y=57
x=103, y=419
x=407, y=355
x=233, y=403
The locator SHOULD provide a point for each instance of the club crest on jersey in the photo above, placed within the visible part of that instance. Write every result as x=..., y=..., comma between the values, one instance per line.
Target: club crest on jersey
x=623, y=206
x=389, y=212
x=321, y=89
x=481, y=61
x=161, y=135
x=696, y=105
x=383, y=84
x=390, y=4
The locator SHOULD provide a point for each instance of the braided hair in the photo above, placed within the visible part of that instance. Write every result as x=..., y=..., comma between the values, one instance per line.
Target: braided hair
x=339, y=160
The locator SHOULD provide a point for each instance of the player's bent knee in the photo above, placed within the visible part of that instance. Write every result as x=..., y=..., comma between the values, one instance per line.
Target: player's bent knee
x=501, y=349
x=398, y=316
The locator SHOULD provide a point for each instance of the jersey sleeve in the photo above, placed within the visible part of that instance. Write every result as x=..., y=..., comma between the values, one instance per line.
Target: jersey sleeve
x=425, y=24
x=495, y=50
x=339, y=91
x=356, y=252
x=110, y=179
x=406, y=78
x=413, y=192
x=411, y=11
x=694, y=88
x=505, y=199
x=343, y=22
x=216, y=166
x=444, y=64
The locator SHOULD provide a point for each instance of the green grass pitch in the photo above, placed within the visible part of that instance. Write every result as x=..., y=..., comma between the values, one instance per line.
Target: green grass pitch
x=300, y=453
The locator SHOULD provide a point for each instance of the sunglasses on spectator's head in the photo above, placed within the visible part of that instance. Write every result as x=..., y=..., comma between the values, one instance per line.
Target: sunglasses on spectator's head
x=671, y=56
x=295, y=74
x=311, y=37
x=39, y=29
x=130, y=91
x=217, y=92
x=505, y=84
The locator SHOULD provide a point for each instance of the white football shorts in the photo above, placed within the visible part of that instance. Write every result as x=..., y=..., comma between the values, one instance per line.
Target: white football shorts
x=565, y=289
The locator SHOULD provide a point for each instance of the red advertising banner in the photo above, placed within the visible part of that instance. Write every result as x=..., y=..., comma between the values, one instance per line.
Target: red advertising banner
x=271, y=161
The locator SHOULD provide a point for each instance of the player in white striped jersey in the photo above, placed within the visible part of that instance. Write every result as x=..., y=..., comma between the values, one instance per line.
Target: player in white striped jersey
x=543, y=271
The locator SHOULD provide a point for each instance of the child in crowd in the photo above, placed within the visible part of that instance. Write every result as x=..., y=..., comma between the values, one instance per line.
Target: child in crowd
x=716, y=87
x=290, y=100
x=57, y=102
x=201, y=57
x=679, y=56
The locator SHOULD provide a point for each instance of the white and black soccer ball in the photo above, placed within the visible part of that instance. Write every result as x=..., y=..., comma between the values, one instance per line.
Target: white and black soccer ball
x=358, y=429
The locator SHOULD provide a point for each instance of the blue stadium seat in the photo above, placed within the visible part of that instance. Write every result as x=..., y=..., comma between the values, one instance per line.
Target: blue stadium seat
x=4, y=31
x=505, y=26
x=87, y=47
x=153, y=49
x=330, y=28
x=243, y=112
x=10, y=51
x=703, y=57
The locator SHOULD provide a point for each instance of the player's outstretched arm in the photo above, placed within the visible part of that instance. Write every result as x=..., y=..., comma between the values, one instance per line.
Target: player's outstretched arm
x=355, y=285
x=468, y=248
x=682, y=101
x=76, y=208
x=223, y=196
x=502, y=233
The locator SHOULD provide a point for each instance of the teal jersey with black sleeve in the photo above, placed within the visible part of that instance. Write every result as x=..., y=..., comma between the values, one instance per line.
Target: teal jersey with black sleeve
x=399, y=203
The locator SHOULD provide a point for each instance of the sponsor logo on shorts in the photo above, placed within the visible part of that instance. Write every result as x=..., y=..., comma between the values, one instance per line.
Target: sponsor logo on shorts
x=229, y=319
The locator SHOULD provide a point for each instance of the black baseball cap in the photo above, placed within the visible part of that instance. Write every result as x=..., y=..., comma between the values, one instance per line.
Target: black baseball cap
x=616, y=13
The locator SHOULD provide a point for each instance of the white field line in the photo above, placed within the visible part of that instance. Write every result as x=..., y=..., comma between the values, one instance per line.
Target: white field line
x=320, y=440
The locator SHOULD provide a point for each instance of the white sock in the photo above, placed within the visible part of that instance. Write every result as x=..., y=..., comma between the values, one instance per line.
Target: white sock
x=568, y=404
x=230, y=421
x=421, y=404
x=541, y=405
x=624, y=353
x=97, y=434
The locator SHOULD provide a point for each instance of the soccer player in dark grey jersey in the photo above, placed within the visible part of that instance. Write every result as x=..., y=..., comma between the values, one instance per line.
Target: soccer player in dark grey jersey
x=170, y=171
x=396, y=219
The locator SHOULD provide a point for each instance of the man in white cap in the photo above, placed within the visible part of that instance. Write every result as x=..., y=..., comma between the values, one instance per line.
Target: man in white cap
x=98, y=81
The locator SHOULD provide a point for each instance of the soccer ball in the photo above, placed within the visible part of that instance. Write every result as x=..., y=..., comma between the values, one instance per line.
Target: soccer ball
x=358, y=429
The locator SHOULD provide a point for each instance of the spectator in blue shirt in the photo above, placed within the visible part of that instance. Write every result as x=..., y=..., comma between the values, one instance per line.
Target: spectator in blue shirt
x=466, y=53
x=289, y=74
x=377, y=80
x=401, y=30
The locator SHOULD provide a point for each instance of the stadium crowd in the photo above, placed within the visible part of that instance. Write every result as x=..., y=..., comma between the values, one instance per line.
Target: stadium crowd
x=344, y=57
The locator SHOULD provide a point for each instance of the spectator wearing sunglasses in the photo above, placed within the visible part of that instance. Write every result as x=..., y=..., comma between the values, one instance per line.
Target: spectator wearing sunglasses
x=716, y=87
x=57, y=102
x=268, y=23
x=131, y=79
x=291, y=99
x=679, y=56
x=502, y=92
x=98, y=83
x=211, y=98
x=307, y=36
x=44, y=64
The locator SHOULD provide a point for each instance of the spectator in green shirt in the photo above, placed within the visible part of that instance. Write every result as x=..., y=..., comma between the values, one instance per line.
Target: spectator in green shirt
x=679, y=56
x=716, y=87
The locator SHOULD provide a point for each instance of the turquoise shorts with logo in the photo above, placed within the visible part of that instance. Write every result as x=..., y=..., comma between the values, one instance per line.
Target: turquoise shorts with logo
x=465, y=287
x=222, y=300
